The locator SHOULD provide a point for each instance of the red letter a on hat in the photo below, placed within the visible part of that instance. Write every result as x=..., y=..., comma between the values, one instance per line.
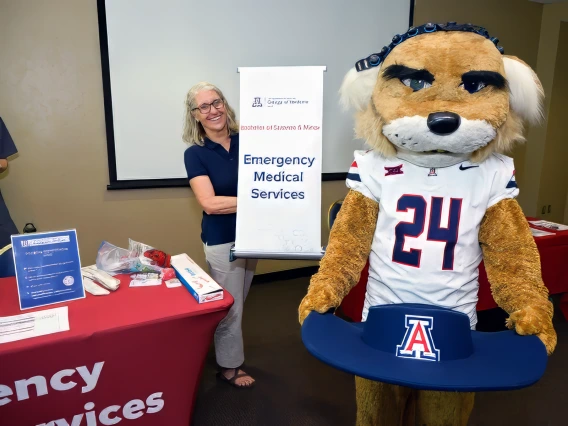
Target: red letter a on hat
x=419, y=339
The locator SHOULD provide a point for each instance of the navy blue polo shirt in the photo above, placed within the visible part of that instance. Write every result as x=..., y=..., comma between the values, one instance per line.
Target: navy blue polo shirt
x=222, y=167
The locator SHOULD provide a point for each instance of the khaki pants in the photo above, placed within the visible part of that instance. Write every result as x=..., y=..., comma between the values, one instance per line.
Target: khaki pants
x=235, y=277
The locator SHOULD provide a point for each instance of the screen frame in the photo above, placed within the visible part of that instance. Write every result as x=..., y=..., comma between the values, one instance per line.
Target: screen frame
x=114, y=183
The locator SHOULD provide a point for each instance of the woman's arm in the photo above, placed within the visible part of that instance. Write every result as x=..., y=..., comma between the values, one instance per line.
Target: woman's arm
x=3, y=164
x=211, y=204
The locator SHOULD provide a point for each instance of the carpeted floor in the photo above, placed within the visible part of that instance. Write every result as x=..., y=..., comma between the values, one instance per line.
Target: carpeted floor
x=295, y=389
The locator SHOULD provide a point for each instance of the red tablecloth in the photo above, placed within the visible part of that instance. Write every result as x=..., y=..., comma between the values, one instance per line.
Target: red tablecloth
x=553, y=251
x=151, y=343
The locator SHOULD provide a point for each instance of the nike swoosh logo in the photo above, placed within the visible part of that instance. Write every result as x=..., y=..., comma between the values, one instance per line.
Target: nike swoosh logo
x=465, y=168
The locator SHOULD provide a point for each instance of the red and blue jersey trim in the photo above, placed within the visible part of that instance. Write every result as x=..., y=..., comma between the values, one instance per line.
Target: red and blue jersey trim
x=512, y=182
x=353, y=173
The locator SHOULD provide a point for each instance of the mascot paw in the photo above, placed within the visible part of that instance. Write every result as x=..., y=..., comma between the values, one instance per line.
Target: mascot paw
x=549, y=340
x=320, y=301
x=304, y=311
x=534, y=321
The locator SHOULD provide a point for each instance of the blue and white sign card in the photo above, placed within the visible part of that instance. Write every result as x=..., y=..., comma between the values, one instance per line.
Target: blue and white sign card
x=48, y=268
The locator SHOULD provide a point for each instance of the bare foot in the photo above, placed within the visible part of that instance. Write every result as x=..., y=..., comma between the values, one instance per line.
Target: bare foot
x=238, y=378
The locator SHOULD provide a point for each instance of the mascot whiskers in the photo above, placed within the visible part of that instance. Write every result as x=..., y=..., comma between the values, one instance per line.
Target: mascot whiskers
x=440, y=108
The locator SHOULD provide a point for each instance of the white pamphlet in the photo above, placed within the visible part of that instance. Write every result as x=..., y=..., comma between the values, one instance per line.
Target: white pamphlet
x=145, y=283
x=550, y=225
x=33, y=324
x=539, y=233
x=145, y=280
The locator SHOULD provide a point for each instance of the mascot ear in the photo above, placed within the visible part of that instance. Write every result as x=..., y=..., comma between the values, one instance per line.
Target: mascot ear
x=526, y=92
x=357, y=88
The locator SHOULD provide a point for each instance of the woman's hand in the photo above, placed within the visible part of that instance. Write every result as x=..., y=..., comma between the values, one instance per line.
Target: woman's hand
x=210, y=203
x=3, y=164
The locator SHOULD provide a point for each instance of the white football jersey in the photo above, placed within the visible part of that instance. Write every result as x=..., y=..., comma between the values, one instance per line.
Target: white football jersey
x=426, y=248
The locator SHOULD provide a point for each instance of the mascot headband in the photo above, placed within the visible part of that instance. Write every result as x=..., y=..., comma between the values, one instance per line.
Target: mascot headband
x=376, y=58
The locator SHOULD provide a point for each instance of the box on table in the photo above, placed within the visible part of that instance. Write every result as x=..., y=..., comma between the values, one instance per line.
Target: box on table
x=199, y=284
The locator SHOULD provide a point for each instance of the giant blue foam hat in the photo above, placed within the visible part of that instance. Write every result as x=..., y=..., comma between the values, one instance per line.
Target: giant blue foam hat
x=425, y=347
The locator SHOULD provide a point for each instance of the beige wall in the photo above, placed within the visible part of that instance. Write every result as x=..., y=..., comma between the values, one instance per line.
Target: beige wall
x=554, y=177
x=516, y=23
x=51, y=99
x=553, y=15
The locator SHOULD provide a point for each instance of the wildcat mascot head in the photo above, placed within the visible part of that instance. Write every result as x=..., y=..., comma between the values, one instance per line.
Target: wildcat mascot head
x=441, y=94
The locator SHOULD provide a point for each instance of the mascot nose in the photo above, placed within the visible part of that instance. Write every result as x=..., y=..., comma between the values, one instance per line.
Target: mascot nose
x=443, y=123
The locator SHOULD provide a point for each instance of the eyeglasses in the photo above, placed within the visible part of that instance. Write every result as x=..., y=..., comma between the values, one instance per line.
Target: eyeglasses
x=205, y=108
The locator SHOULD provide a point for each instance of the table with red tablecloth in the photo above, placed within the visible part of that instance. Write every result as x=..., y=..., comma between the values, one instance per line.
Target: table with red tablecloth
x=553, y=251
x=145, y=346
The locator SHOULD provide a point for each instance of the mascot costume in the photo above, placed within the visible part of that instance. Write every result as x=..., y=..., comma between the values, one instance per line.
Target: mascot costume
x=433, y=196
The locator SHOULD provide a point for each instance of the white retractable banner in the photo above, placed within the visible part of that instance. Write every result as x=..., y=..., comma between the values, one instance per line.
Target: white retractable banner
x=280, y=162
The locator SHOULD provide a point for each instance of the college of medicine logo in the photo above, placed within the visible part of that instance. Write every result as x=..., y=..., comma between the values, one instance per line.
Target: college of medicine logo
x=256, y=103
x=418, y=342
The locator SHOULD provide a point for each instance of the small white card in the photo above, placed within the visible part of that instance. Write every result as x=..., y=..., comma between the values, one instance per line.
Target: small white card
x=33, y=324
x=174, y=282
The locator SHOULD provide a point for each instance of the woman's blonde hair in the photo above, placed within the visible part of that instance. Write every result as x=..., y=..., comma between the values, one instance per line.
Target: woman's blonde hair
x=193, y=131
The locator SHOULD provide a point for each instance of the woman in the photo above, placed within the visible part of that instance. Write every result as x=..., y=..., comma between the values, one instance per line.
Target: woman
x=212, y=169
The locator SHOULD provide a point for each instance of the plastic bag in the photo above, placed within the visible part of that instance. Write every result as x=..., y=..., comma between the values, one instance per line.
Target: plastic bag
x=138, y=257
x=111, y=258
x=150, y=259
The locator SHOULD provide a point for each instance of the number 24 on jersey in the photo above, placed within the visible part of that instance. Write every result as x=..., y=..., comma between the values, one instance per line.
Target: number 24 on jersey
x=414, y=229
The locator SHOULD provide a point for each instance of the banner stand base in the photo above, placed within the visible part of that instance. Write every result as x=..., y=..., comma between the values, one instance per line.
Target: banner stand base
x=252, y=254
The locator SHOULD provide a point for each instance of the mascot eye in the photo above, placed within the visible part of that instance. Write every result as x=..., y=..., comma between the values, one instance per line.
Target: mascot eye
x=473, y=86
x=416, y=85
